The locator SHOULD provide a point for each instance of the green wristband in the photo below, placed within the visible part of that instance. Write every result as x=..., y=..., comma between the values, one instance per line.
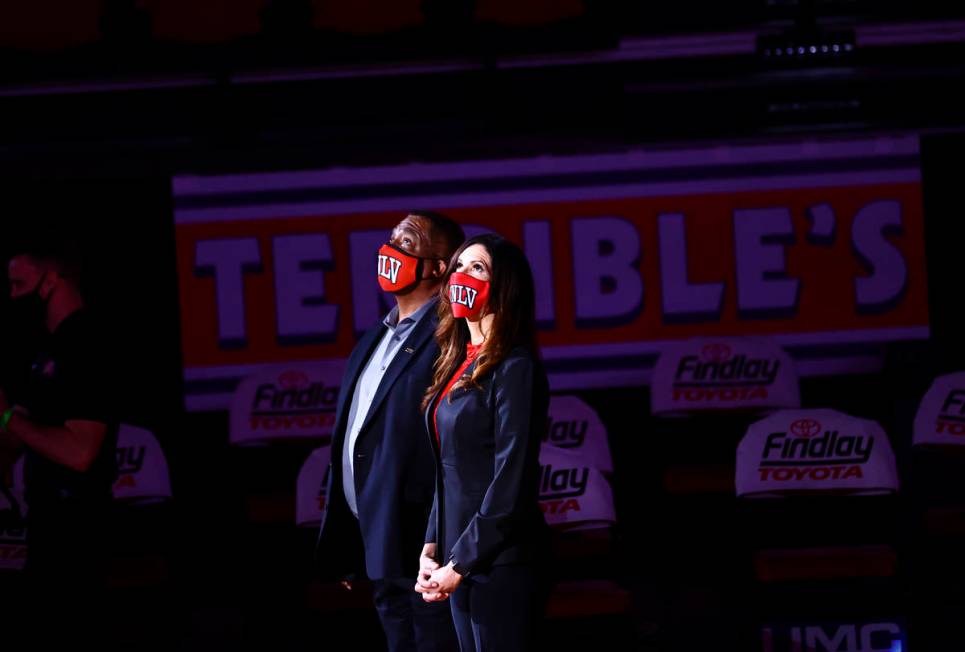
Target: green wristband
x=5, y=419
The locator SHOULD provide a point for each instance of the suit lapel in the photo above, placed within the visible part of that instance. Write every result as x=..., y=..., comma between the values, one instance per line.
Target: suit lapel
x=431, y=410
x=418, y=338
x=430, y=426
x=353, y=369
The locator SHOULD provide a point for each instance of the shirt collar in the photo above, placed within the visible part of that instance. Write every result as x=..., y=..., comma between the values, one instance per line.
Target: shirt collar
x=392, y=319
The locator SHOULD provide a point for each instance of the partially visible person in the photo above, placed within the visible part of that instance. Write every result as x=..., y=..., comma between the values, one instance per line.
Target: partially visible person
x=65, y=424
x=487, y=541
x=381, y=479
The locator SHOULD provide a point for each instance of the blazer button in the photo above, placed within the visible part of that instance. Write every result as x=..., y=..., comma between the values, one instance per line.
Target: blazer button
x=359, y=455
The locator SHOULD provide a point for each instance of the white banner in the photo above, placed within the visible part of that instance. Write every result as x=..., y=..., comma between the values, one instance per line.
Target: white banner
x=941, y=416
x=713, y=374
x=13, y=540
x=13, y=548
x=575, y=426
x=310, y=488
x=290, y=402
x=572, y=494
x=815, y=451
x=142, y=469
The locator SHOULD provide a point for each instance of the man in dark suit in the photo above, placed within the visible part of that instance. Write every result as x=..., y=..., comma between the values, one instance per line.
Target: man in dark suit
x=381, y=481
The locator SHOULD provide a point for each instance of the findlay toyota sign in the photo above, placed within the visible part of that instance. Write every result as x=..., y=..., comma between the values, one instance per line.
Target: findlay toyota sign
x=575, y=426
x=723, y=374
x=310, y=488
x=572, y=494
x=290, y=402
x=13, y=548
x=13, y=507
x=142, y=469
x=940, y=421
x=815, y=451
x=818, y=244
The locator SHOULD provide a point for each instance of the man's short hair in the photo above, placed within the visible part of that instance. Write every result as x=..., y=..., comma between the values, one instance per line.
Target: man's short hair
x=52, y=252
x=444, y=226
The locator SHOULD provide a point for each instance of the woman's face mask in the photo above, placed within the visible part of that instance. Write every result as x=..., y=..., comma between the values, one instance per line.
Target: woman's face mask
x=467, y=296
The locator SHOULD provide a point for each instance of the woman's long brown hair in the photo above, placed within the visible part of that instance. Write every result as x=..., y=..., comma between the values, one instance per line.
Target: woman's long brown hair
x=512, y=299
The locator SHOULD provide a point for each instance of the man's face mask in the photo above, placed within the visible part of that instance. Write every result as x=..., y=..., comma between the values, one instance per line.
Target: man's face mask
x=30, y=309
x=399, y=272
x=467, y=296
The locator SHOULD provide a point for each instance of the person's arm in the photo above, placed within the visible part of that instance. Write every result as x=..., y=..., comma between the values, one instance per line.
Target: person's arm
x=428, y=566
x=428, y=563
x=493, y=523
x=74, y=445
x=77, y=442
x=433, y=517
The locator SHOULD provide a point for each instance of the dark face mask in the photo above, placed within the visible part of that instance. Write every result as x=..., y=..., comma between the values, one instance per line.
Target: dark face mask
x=29, y=310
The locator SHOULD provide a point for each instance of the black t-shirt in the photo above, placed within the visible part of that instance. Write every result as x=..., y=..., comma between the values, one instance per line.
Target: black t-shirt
x=71, y=379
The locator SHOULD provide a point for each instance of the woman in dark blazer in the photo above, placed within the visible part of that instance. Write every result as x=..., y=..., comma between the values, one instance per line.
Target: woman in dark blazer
x=486, y=413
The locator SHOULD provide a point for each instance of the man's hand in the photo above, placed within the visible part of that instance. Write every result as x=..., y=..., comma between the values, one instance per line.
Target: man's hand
x=427, y=560
x=435, y=597
x=427, y=566
x=446, y=580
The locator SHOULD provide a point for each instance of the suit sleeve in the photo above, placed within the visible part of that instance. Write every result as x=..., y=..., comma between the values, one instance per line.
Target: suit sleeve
x=493, y=524
x=433, y=516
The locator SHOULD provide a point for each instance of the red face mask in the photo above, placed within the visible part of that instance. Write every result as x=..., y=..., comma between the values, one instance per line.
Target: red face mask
x=467, y=295
x=399, y=272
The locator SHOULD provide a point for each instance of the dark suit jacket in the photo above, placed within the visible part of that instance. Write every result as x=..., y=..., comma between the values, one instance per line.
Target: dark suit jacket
x=486, y=509
x=394, y=477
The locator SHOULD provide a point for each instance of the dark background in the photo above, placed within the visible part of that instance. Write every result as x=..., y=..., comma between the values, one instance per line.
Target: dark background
x=94, y=123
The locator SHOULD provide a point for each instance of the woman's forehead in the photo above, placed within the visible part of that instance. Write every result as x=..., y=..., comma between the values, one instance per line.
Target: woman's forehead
x=476, y=252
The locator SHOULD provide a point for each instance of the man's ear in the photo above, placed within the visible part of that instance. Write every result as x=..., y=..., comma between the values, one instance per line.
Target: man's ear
x=439, y=268
x=45, y=287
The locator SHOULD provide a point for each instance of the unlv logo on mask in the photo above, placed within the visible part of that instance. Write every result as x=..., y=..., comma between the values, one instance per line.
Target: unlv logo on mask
x=389, y=267
x=462, y=295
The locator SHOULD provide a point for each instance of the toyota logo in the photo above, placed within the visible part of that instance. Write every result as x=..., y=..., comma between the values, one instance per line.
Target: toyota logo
x=716, y=352
x=293, y=380
x=805, y=428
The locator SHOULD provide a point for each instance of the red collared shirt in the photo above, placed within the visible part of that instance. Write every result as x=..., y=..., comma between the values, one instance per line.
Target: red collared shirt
x=471, y=352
